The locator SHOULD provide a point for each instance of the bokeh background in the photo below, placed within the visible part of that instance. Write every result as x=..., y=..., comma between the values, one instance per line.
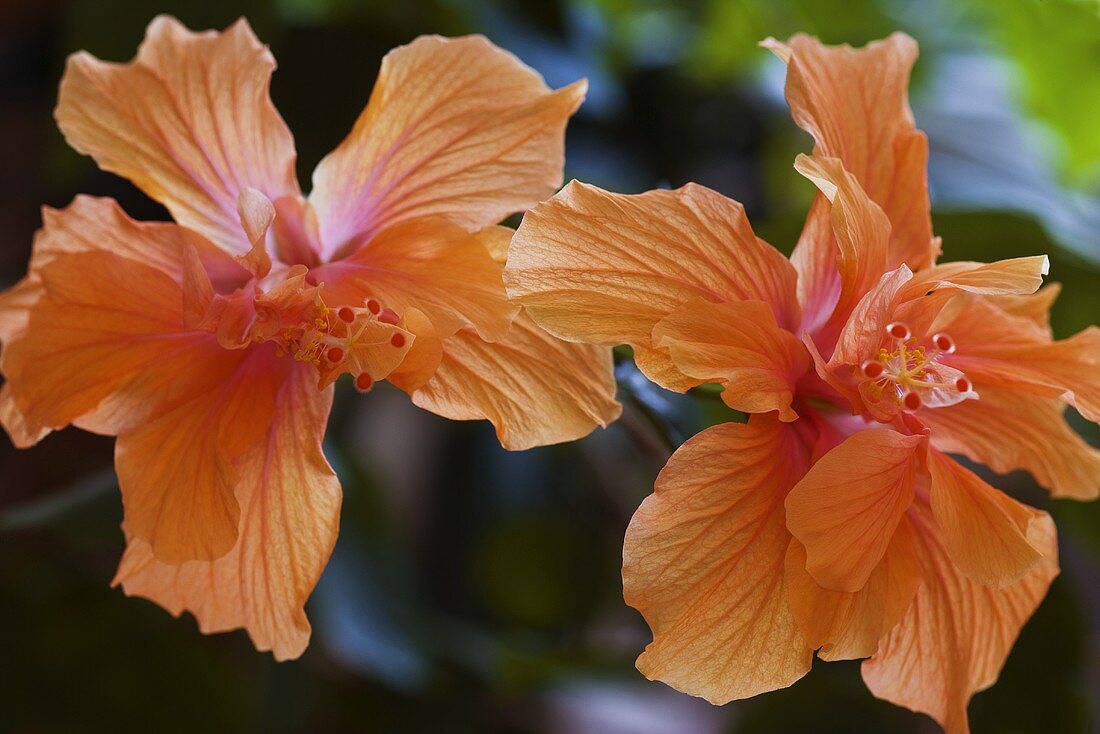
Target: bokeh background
x=475, y=590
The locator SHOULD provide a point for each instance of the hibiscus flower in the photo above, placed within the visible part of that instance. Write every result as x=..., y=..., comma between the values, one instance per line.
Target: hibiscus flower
x=209, y=345
x=834, y=519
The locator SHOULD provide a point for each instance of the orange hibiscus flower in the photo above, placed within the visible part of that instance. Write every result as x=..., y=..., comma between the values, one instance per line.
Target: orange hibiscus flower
x=209, y=346
x=833, y=520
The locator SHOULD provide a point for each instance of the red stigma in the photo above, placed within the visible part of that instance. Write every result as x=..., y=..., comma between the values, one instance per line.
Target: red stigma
x=898, y=330
x=388, y=316
x=398, y=340
x=872, y=369
x=374, y=306
x=962, y=384
x=363, y=382
x=944, y=343
x=346, y=314
x=911, y=401
x=335, y=354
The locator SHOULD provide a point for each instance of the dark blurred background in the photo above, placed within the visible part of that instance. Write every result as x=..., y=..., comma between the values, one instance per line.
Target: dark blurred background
x=474, y=590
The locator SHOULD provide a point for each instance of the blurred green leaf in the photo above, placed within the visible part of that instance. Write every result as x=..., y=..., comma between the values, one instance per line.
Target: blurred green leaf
x=1056, y=46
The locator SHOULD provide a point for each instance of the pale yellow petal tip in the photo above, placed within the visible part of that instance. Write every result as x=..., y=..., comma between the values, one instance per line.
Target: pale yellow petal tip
x=780, y=49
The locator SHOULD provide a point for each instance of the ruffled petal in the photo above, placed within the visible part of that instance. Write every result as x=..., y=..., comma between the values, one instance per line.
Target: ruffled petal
x=290, y=503
x=189, y=121
x=997, y=348
x=177, y=470
x=106, y=348
x=1034, y=307
x=846, y=508
x=957, y=634
x=1008, y=430
x=106, y=324
x=429, y=264
x=738, y=344
x=703, y=562
x=860, y=230
x=983, y=529
x=854, y=102
x=22, y=434
x=595, y=266
x=455, y=128
x=844, y=625
x=534, y=388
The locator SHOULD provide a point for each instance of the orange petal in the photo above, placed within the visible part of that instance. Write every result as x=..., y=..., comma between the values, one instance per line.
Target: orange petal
x=1034, y=307
x=91, y=224
x=534, y=389
x=996, y=348
x=176, y=471
x=1015, y=276
x=983, y=529
x=861, y=336
x=423, y=358
x=189, y=121
x=854, y=102
x=105, y=324
x=23, y=434
x=957, y=634
x=455, y=128
x=1009, y=430
x=847, y=506
x=429, y=264
x=657, y=365
x=106, y=348
x=257, y=213
x=595, y=266
x=290, y=504
x=703, y=562
x=846, y=625
x=15, y=305
x=859, y=227
x=739, y=345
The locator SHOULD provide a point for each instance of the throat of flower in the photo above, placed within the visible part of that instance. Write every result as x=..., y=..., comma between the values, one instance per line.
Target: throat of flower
x=906, y=375
x=366, y=342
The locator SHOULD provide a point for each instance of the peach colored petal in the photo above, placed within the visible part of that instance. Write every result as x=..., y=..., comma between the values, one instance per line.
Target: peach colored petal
x=703, y=562
x=15, y=305
x=657, y=365
x=1034, y=307
x=423, y=359
x=176, y=471
x=846, y=626
x=983, y=529
x=595, y=266
x=854, y=102
x=456, y=128
x=861, y=336
x=859, y=228
x=105, y=324
x=22, y=434
x=997, y=348
x=429, y=264
x=1009, y=430
x=957, y=634
x=290, y=503
x=534, y=389
x=738, y=344
x=815, y=259
x=91, y=224
x=257, y=213
x=189, y=121
x=844, y=511
x=1019, y=275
